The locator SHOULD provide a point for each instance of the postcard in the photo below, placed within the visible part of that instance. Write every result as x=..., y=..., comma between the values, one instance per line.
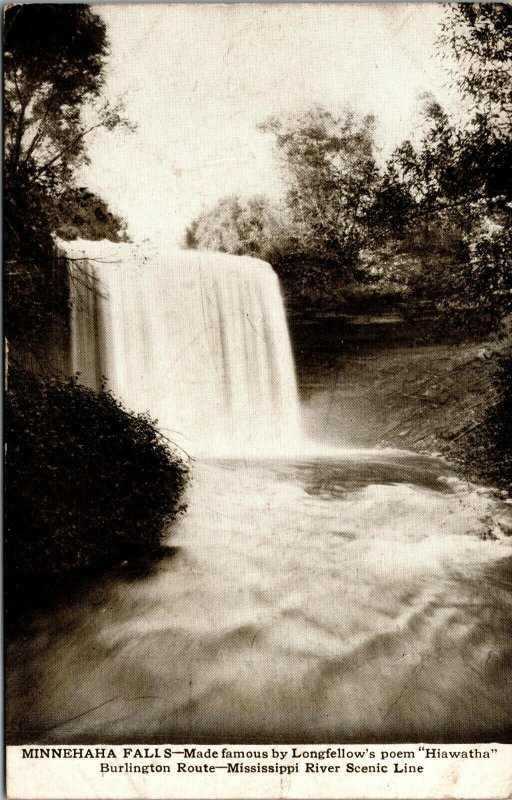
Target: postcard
x=257, y=304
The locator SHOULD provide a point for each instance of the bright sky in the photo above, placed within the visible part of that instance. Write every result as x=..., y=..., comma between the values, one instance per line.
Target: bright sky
x=197, y=80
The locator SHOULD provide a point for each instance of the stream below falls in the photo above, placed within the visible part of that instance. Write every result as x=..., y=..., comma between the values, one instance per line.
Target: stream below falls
x=357, y=598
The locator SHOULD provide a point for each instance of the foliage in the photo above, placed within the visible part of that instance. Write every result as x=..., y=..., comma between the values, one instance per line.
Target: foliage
x=428, y=176
x=392, y=204
x=485, y=449
x=478, y=36
x=330, y=172
x=81, y=214
x=87, y=483
x=242, y=227
x=488, y=288
x=459, y=177
x=54, y=66
x=54, y=61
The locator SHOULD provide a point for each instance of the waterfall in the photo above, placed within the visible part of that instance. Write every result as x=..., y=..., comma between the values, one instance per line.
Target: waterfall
x=197, y=339
x=86, y=323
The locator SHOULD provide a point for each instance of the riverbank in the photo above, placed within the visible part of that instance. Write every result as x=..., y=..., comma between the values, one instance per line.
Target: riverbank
x=381, y=381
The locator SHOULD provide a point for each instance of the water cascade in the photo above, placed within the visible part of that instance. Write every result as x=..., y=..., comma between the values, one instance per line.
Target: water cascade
x=199, y=340
x=353, y=598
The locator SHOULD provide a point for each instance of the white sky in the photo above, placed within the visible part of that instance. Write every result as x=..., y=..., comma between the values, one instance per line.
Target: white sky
x=198, y=79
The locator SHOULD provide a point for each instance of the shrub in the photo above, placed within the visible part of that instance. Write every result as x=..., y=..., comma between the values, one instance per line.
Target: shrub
x=88, y=484
x=488, y=444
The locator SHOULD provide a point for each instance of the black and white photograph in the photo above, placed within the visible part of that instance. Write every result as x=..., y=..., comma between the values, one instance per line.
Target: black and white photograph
x=258, y=399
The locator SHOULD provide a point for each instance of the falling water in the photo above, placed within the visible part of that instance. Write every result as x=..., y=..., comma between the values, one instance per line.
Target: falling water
x=86, y=323
x=358, y=597
x=200, y=341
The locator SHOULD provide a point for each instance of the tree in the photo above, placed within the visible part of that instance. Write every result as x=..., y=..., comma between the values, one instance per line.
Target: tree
x=54, y=65
x=479, y=38
x=81, y=214
x=459, y=176
x=330, y=172
x=393, y=203
x=427, y=181
x=242, y=227
x=54, y=61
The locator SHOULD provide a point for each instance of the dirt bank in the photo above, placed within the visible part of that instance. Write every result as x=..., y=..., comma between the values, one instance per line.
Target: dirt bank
x=388, y=389
x=440, y=398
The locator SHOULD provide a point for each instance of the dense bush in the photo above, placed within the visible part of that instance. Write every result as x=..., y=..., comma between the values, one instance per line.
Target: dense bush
x=87, y=483
x=486, y=449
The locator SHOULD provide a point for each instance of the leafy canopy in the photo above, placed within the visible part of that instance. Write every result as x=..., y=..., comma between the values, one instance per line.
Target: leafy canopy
x=442, y=205
x=330, y=172
x=54, y=73
x=54, y=59
x=54, y=66
x=241, y=227
x=479, y=38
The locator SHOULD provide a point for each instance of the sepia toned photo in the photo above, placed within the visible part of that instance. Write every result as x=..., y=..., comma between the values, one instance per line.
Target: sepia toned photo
x=258, y=396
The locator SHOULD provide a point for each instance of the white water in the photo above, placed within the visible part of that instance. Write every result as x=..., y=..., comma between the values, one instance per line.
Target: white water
x=353, y=599
x=200, y=341
x=87, y=304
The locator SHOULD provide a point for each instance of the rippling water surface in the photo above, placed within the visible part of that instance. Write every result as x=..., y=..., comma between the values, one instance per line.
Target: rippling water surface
x=355, y=598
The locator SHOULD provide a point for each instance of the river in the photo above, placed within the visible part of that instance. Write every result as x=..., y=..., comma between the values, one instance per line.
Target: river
x=347, y=595
x=355, y=599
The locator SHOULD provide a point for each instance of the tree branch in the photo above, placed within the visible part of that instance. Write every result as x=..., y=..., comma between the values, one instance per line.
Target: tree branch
x=39, y=133
x=19, y=135
x=446, y=207
x=64, y=150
